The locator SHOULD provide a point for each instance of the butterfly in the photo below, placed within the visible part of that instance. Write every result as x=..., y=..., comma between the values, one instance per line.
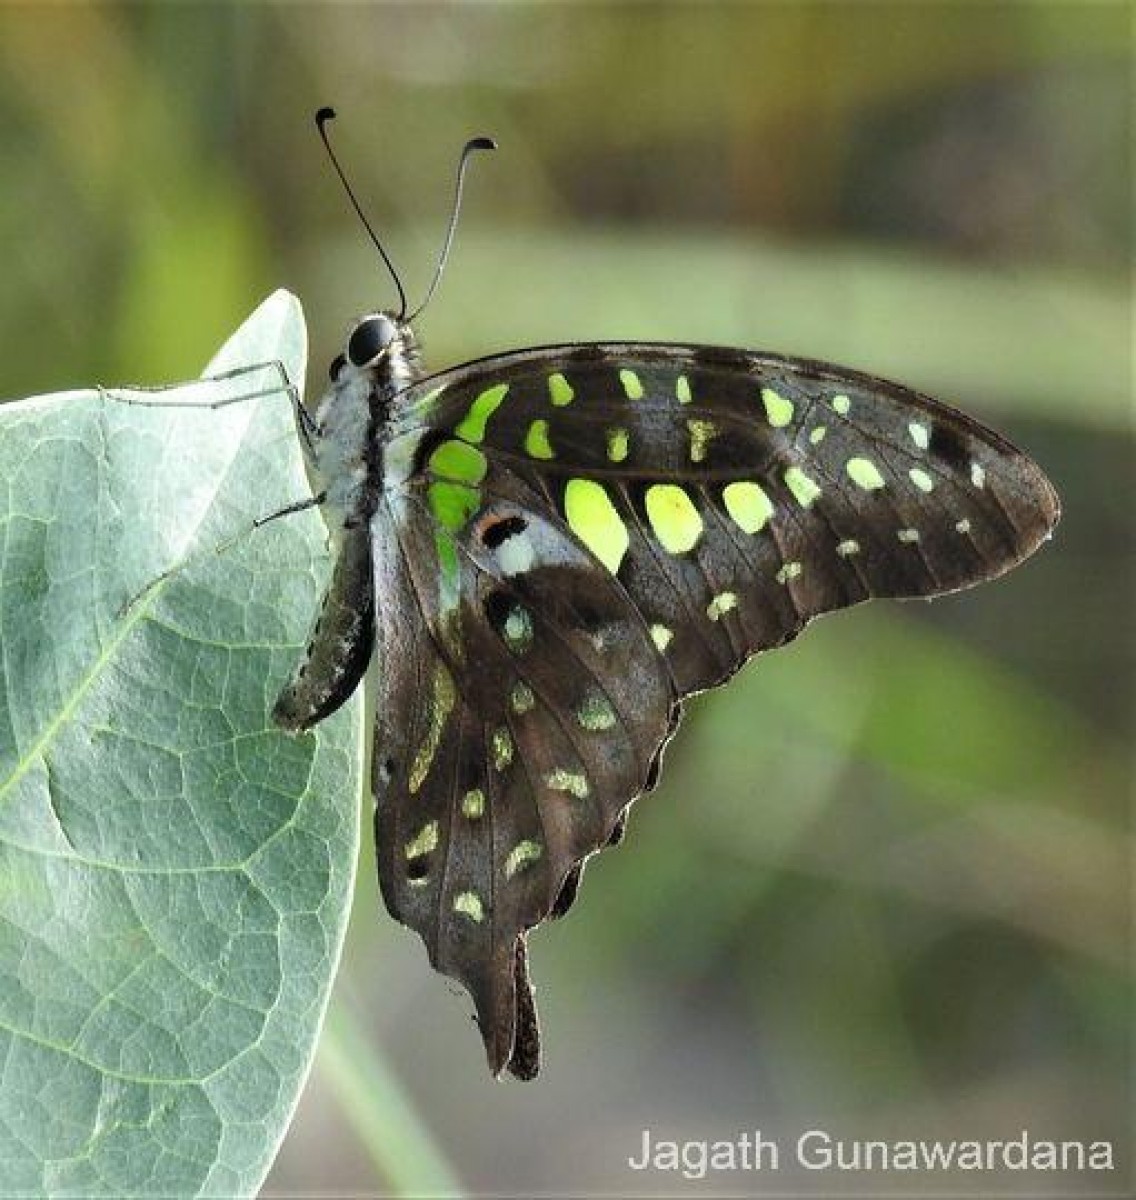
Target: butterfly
x=549, y=549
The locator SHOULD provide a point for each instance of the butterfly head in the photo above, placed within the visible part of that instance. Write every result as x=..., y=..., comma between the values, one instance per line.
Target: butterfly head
x=380, y=346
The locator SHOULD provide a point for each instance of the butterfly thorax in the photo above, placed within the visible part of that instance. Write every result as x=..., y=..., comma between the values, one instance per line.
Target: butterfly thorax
x=381, y=359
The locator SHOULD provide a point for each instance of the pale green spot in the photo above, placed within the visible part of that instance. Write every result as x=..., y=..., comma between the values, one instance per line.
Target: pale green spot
x=458, y=461
x=721, y=604
x=453, y=503
x=472, y=427
x=617, y=444
x=921, y=479
x=963, y=526
x=424, y=842
x=816, y=436
x=977, y=475
x=440, y=705
x=593, y=518
x=449, y=571
x=473, y=804
x=920, y=434
x=568, y=781
x=841, y=404
x=790, y=570
x=559, y=390
x=804, y=489
x=674, y=519
x=908, y=536
x=427, y=400
x=778, y=410
x=595, y=713
x=850, y=546
x=522, y=855
x=864, y=473
x=632, y=384
x=682, y=390
x=518, y=630
x=662, y=636
x=537, y=444
x=701, y=433
x=748, y=505
x=469, y=905
x=502, y=744
x=522, y=699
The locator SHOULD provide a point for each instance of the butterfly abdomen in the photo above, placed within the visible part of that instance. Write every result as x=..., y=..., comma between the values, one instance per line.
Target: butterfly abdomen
x=345, y=461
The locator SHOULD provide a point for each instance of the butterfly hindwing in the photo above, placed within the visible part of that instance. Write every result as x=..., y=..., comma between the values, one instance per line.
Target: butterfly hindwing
x=522, y=704
x=736, y=495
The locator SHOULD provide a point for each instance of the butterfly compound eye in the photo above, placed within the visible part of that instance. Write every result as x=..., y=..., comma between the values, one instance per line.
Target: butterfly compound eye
x=369, y=339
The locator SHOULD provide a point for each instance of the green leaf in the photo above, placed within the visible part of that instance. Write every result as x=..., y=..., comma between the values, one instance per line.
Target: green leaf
x=174, y=873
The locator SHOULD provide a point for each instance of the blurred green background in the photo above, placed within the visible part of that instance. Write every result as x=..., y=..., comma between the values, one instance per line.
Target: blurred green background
x=884, y=887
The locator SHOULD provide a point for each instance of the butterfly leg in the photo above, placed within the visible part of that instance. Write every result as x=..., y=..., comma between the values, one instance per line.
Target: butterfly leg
x=143, y=396
x=295, y=507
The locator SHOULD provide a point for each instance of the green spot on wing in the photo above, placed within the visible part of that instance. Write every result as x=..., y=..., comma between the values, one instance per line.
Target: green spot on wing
x=632, y=384
x=595, y=712
x=459, y=461
x=559, y=390
x=701, y=434
x=453, y=503
x=522, y=855
x=805, y=490
x=472, y=426
x=674, y=519
x=537, y=444
x=617, y=445
x=594, y=520
x=865, y=474
x=469, y=905
x=921, y=479
x=748, y=505
x=789, y=571
x=441, y=704
x=778, y=410
x=721, y=604
x=502, y=743
x=572, y=782
x=425, y=841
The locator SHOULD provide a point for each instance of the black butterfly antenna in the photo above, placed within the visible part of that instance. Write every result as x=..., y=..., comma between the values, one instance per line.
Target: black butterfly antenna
x=322, y=117
x=468, y=150
x=474, y=144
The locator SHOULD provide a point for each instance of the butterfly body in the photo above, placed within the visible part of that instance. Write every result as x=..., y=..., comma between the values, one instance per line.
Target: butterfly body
x=548, y=549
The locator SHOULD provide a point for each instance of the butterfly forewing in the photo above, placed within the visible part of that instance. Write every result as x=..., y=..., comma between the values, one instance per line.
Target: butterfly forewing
x=558, y=544
x=736, y=495
x=518, y=713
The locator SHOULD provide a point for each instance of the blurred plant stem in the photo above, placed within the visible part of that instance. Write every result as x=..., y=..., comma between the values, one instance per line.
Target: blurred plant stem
x=375, y=1105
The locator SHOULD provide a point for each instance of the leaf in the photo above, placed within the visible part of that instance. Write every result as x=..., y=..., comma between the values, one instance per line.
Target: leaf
x=174, y=873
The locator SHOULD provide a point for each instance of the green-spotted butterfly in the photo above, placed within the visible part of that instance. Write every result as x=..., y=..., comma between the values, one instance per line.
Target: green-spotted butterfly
x=548, y=549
